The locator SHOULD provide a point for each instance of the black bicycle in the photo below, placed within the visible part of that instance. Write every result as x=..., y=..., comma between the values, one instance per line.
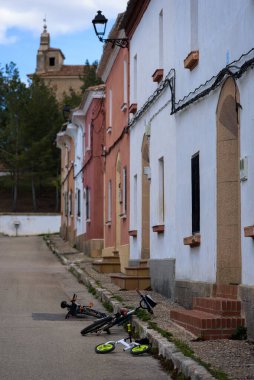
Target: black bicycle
x=124, y=315
x=80, y=311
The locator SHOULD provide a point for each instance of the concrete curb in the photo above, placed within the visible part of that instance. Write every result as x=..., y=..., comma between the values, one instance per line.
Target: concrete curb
x=188, y=367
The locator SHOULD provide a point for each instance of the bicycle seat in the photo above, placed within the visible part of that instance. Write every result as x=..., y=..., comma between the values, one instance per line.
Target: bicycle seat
x=123, y=311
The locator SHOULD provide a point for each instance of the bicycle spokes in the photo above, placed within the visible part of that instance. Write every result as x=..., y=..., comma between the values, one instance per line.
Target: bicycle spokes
x=105, y=348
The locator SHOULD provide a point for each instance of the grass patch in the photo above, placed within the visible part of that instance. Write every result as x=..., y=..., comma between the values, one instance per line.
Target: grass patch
x=143, y=315
x=91, y=289
x=118, y=298
x=168, y=366
x=108, y=306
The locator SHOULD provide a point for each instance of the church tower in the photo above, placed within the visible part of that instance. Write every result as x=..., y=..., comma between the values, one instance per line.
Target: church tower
x=48, y=59
x=50, y=67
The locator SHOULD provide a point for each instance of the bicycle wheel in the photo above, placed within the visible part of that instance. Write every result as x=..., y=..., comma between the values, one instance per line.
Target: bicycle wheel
x=105, y=348
x=94, y=313
x=116, y=321
x=140, y=349
x=96, y=326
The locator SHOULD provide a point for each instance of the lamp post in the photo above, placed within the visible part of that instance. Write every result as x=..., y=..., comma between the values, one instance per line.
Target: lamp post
x=99, y=24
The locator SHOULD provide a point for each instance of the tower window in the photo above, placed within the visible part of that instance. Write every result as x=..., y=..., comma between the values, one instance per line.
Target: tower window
x=52, y=61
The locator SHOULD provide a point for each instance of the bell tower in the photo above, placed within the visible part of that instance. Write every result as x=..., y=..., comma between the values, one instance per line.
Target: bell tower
x=44, y=46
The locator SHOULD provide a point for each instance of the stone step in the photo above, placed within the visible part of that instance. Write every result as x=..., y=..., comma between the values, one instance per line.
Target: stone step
x=109, y=259
x=106, y=266
x=137, y=271
x=143, y=263
x=225, y=291
x=131, y=282
x=206, y=326
x=216, y=305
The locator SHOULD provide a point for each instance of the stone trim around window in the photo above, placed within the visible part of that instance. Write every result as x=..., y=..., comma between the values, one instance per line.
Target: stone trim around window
x=192, y=241
x=158, y=75
x=133, y=108
x=249, y=231
x=191, y=60
x=159, y=228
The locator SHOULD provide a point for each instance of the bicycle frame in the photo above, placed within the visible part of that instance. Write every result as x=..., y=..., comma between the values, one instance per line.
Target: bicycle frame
x=127, y=346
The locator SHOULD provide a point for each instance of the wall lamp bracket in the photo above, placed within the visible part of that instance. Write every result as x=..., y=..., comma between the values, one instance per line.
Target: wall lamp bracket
x=99, y=24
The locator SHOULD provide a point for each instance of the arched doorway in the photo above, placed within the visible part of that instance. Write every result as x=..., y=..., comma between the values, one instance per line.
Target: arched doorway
x=145, y=250
x=228, y=186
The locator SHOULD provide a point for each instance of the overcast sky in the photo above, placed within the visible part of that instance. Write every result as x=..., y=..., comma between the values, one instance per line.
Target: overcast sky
x=69, y=25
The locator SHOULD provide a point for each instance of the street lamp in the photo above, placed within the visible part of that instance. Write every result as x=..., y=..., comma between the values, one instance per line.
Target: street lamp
x=66, y=112
x=99, y=24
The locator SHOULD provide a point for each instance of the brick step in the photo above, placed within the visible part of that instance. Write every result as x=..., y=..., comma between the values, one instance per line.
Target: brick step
x=137, y=271
x=125, y=282
x=225, y=291
x=216, y=305
x=106, y=266
x=206, y=326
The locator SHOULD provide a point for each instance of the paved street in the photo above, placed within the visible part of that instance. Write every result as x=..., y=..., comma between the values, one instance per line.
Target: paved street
x=36, y=342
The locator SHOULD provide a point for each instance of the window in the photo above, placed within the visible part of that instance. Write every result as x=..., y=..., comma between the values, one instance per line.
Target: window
x=88, y=206
x=110, y=108
x=65, y=204
x=52, y=61
x=135, y=196
x=161, y=39
x=70, y=202
x=161, y=190
x=135, y=78
x=125, y=81
x=194, y=25
x=124, y=195
x=88, y=137
x=195, y=187
x=109, y=200
x=78, y=203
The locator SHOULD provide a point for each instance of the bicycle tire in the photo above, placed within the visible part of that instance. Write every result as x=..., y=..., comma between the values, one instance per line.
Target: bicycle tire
x=96, y=326
x=116, y=321
x=94, y=313
x=140, y=349
x=105, y=348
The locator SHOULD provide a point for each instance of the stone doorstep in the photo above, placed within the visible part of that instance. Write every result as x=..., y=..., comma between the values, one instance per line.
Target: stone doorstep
x=137, y=271
x=143, y=263
x=206, y=325
x=131, y=282
x=108, y=259
x=106, y=267
x=216, y=305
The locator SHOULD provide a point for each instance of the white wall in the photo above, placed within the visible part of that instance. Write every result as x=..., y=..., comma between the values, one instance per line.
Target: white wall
x=225, y=31
x=29, y=224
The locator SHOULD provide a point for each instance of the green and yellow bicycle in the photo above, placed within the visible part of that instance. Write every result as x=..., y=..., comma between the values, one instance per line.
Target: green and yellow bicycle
x=137, y=347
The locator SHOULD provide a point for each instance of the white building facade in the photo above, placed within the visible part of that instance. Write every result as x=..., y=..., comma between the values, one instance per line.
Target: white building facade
x=191, y=205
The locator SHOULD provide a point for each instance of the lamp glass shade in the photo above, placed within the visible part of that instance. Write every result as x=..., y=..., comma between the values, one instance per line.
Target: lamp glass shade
x=100, y=23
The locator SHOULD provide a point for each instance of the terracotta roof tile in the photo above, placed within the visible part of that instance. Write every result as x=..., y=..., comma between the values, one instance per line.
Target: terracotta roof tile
x=66, y=70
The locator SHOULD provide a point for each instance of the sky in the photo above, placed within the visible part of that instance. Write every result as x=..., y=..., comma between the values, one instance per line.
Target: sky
x=68, y=22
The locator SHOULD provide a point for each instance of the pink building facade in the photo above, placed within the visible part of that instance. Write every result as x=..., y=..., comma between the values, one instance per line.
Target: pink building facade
x=113, y=69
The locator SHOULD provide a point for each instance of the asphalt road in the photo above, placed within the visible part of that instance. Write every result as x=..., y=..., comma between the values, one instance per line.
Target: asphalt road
x=36, y=342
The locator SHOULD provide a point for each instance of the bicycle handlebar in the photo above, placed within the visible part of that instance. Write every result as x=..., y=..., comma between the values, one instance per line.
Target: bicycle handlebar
x=146, y=300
